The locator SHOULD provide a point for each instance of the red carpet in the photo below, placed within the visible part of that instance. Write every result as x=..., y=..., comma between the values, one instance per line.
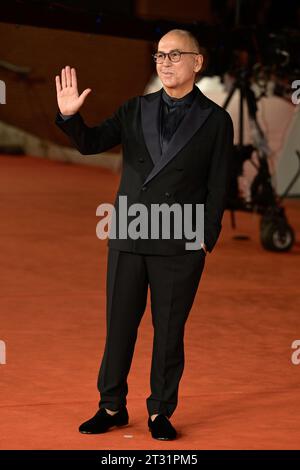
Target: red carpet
x=239, y=389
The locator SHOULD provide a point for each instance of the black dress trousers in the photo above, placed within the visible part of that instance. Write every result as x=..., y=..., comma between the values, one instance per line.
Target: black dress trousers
x=173, y=283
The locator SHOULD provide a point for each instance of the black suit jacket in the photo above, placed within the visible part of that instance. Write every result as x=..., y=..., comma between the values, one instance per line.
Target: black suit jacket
x=195, y=167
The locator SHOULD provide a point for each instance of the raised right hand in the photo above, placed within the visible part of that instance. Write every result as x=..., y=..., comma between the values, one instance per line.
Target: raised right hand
x=68, y=99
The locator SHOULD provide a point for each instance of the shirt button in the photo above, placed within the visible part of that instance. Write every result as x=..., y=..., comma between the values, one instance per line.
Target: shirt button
x=144, y=188
x=167, y=194
x=141, y=159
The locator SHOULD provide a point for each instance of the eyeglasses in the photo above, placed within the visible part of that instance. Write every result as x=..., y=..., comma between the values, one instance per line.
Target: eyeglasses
x=174, y=56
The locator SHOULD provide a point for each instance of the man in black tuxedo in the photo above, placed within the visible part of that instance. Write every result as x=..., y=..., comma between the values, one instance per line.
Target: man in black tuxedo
x=177, y=149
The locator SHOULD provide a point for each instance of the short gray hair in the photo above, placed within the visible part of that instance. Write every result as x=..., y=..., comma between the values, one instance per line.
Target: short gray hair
x=190, y=36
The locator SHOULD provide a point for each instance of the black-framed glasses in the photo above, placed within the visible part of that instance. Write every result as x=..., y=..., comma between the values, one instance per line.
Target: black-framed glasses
x=174, y=56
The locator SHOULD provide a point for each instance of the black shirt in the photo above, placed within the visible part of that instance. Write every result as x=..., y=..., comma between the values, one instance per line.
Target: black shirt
x=172, y=112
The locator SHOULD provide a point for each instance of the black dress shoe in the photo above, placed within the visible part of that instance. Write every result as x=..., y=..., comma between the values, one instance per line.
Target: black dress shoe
x=161, y=428
x=102, y=421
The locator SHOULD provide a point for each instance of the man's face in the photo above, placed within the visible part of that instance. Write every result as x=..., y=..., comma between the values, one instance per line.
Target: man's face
x=178, y=74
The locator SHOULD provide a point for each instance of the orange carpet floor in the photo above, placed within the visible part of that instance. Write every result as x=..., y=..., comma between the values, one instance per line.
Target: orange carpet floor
x=239, y=390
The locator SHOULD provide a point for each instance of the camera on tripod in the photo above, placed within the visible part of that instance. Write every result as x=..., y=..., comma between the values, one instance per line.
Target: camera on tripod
x=258, y=63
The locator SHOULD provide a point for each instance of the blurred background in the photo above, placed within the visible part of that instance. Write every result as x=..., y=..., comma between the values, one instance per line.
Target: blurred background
x=52, y=273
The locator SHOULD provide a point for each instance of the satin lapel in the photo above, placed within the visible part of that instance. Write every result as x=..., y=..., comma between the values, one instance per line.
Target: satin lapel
x=150, y=108
x=191, y=123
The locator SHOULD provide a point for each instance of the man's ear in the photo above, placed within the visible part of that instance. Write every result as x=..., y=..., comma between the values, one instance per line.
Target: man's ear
x=198, y=63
